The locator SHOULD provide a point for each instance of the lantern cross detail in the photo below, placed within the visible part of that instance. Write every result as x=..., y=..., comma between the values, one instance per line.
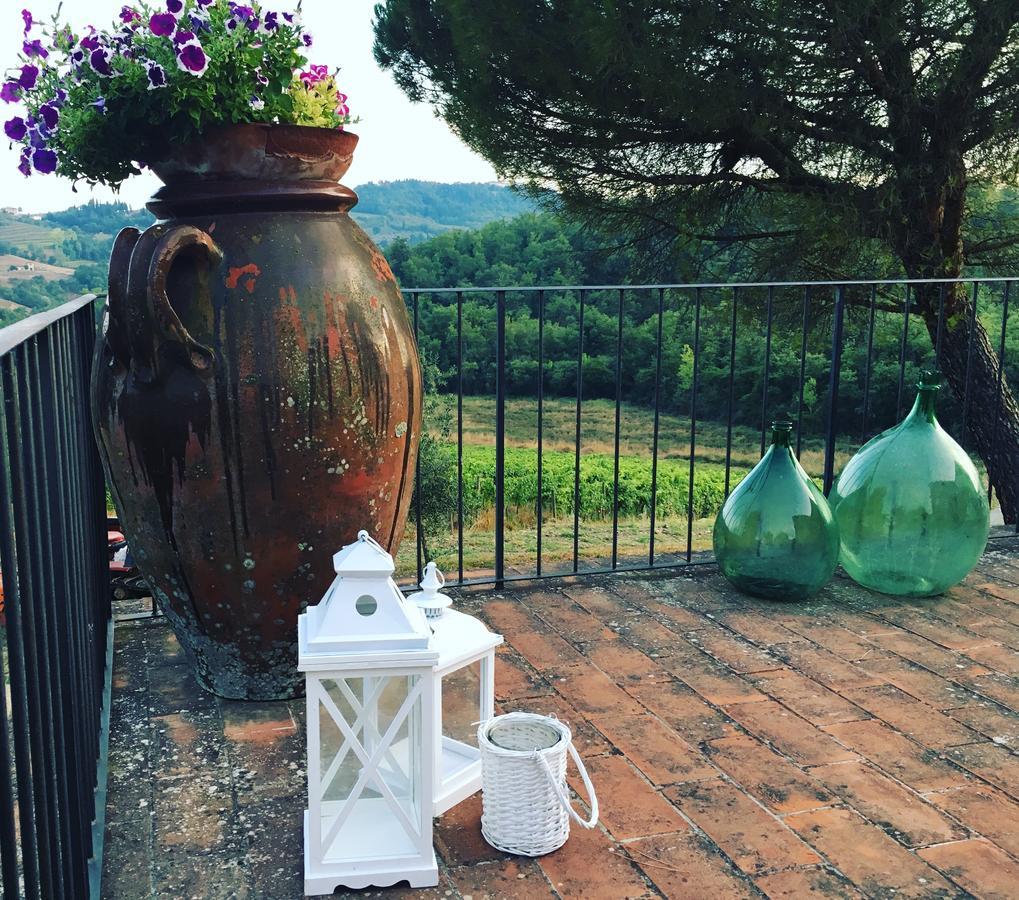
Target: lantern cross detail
x=363, y=721
x=371, y=770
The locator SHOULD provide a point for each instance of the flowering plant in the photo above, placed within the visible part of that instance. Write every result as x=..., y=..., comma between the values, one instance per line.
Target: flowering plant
x=97, y=104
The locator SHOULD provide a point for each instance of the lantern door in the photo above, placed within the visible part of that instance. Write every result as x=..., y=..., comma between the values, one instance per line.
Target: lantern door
x=465, y=697
x=370, y=770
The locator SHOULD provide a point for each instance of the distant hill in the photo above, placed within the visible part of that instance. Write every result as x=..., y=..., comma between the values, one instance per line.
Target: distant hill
x=68, y=250
x=417, y=210
x=19, y=268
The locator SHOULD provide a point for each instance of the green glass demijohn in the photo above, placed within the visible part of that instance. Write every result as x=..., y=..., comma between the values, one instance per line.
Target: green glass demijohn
x=775, y=537
x=912, y=514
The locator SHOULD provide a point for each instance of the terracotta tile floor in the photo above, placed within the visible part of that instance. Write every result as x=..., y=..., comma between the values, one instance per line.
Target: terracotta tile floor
x=856, y=745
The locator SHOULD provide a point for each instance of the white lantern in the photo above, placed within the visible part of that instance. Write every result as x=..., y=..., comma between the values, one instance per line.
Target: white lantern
x=370, y=675
x=388, y=747
x=464, y=690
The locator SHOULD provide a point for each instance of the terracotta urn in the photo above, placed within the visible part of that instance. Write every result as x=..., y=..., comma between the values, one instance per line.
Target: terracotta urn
x=256, y=394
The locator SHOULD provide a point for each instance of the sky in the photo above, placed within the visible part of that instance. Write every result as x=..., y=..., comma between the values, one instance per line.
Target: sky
x=398, y=139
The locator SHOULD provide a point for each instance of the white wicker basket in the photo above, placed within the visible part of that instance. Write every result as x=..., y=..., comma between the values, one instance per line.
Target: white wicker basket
x=526, y=807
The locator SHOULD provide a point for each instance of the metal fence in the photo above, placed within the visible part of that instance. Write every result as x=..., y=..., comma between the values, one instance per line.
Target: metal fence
x=57, y=637
x=834, y=322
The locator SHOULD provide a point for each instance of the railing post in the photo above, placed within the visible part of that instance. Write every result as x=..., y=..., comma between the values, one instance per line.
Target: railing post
x=500, y=439
x=833, y=389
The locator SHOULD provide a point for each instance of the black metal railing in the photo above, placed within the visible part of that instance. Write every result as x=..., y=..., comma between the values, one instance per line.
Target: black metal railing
x=832, y=376
x=56, y=649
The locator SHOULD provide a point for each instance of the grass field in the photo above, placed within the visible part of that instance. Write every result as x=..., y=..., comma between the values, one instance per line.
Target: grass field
x=597, y=439
x=636, y=431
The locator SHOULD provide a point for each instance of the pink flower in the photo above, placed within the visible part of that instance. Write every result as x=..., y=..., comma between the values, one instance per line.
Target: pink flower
x=315, y=74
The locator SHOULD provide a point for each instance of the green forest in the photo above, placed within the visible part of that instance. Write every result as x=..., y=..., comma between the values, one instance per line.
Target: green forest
x=543, y=249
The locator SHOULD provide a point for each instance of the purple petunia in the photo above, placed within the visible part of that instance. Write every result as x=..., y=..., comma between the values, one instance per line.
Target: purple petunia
x=34, y=48
x=15, y=128
x=156, y=74
x=50, y=115
x=44, y=160
x=26, y=16
x=260, y=78
x=60, y=98
x=29, y=76
x=89, y=42
x=129, y=15
x=307, y=39
x=162, y=24
x=100, y=104
x=184, y=37
x=204, y=3
x=191, y=58
x=10, y=92
x=199, y=24
x=256, y=103
x=242, y=15
x=99, y=59
x=175, y=6
x=35, y=136
x=25, y=166
x=270, y=22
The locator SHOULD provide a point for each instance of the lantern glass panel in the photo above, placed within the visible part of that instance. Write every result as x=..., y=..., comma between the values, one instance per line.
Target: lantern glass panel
x=461, y=704
x=370, y=769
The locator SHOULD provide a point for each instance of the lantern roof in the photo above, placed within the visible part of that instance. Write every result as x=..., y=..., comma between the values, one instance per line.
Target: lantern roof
x=363, y=618
x=365, y=558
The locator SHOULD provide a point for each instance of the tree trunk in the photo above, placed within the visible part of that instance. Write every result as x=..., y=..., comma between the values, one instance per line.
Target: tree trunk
x=992, y=415
x=928, y=240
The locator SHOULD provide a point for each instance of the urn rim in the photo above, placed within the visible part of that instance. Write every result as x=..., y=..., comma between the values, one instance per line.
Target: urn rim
x=260, y=151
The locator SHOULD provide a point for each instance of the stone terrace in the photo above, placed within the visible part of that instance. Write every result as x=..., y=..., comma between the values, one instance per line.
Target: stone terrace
x=854, y=746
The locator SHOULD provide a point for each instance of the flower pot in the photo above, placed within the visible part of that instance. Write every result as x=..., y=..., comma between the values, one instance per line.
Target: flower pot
x=256, y=394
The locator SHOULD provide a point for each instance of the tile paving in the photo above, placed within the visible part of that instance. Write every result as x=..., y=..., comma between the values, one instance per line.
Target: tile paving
x=852, y=746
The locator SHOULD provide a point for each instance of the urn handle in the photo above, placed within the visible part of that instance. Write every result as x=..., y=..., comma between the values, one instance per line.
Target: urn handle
x=156, y=333
x=116, y=328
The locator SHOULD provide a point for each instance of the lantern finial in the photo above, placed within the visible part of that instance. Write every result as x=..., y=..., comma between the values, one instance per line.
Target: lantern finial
x=428, y=599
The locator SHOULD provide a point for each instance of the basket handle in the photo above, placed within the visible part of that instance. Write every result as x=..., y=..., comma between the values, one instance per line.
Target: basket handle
x=563, y=798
